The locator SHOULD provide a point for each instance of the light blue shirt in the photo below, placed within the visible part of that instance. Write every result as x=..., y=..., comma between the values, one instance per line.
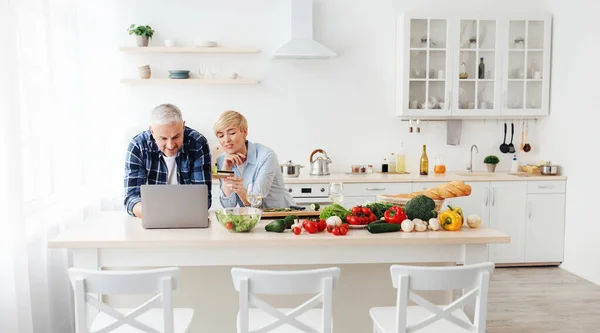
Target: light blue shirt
x=261, y=168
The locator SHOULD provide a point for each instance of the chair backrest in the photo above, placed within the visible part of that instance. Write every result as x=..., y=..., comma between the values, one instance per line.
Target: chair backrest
x=473, y=279
x=249, y=283
x=160, y=282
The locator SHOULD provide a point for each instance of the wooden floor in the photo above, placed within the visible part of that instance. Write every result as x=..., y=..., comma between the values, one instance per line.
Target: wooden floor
x=545, y=299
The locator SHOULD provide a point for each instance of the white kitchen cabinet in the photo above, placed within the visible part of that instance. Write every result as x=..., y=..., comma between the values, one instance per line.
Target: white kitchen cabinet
x=477, y=203
x=508, y=206
x=438, y=57
x=545, y=228
x=350, y=202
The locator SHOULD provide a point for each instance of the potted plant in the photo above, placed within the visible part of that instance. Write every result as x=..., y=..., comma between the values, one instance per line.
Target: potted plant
x=491, y=161
x=143, y=33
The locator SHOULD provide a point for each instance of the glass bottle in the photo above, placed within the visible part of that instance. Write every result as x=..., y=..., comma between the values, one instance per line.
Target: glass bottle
x=384, y=165
x=481, y=69
x=392, y=163
x=463, y=71
x=424, y=165
x=401, y=160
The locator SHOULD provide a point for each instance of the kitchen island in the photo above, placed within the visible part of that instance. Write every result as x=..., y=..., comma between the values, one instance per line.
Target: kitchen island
x=117, y=241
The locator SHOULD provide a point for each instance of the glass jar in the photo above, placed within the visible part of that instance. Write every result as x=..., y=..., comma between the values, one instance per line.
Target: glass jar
x=439, y=168
x=370, y=168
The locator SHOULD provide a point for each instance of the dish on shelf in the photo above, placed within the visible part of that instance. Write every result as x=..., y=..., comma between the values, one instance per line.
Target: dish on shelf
x=206, y=43
x=179, y=72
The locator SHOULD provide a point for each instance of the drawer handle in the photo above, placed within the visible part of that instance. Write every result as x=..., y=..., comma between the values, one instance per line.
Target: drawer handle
x=375, y=188
x=546, y=186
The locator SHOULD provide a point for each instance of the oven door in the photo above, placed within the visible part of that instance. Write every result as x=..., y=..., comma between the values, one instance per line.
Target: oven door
x=306, y=202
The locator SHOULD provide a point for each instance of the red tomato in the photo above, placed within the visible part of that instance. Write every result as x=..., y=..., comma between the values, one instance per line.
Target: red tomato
x=297, y=230
x=336, y=231
x=372, y=218
x=304, y=223
x=329, y=228
x=344, y=226
x=312, y=227
x=322, y=225
x=366, y=211
x=364, y=220
x=356, y=210
x=229, y=225
x=343, y=231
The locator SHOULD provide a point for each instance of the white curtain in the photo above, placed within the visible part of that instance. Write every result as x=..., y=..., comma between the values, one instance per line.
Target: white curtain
x=41, y=162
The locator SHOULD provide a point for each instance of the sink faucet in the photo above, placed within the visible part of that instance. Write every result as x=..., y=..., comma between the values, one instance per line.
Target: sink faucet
x=470, y=165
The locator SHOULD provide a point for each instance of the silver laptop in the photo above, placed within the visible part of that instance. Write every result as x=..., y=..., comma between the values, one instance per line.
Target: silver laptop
x=174, y=206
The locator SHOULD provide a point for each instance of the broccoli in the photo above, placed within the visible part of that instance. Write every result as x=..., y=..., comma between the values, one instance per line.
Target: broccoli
x=420, y=207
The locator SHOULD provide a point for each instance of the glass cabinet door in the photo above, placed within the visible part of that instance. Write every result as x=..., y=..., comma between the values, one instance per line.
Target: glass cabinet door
x=428, y=66
x=525, y=66
x=477, y=65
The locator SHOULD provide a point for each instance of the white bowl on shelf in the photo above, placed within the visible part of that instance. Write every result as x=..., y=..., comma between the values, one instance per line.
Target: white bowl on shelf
x=206, y=43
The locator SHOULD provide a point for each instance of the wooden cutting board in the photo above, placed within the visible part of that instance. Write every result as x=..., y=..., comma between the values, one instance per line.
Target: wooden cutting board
x=299, y=213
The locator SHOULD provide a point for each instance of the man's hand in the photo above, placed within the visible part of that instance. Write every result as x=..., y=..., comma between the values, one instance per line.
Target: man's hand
x=233, y=159
x=137, y=210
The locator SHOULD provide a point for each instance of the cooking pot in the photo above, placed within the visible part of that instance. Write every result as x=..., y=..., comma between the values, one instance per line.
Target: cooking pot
x=290, y=170
x=320, y=165
x=549, y=169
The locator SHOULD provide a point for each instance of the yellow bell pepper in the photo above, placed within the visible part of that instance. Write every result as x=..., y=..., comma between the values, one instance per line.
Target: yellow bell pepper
x=451, y=220
x=458, y=210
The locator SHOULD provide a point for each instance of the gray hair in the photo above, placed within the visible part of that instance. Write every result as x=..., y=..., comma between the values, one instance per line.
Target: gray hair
x=165, y=114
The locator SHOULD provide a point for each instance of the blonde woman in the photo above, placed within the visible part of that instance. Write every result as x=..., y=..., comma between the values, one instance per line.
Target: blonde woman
x=253, y=164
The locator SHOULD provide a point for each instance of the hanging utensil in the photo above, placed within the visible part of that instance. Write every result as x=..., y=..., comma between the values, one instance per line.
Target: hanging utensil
x=504, y=146
x=511, y=147
x=522, y=135
x=527, y=146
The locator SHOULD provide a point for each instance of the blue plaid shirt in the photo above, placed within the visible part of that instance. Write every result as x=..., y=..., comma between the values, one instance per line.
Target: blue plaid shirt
x=144, y=164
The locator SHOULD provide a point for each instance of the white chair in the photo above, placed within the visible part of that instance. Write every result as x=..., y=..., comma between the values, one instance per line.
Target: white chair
x=257, y=316
x=427, y=317
x=141, y=319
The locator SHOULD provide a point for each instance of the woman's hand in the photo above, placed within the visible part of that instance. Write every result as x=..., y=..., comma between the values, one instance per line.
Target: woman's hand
x=233, y=159
x=235, y=185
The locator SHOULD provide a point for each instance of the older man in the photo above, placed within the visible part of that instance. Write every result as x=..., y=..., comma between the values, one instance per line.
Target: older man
x=168, y=153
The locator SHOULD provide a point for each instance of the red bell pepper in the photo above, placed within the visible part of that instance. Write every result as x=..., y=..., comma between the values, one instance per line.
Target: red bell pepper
x=394, y=215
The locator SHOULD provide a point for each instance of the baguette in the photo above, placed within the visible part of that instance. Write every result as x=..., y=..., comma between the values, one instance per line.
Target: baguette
x=449, y=190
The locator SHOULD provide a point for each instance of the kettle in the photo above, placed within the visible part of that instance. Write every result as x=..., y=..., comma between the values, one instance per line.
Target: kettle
x=320, y=166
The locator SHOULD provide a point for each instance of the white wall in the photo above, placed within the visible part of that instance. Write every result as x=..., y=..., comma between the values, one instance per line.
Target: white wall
x=570, y=135
x=344, y=105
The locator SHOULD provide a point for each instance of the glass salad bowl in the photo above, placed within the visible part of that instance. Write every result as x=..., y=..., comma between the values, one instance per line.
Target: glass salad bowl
x=238, y=219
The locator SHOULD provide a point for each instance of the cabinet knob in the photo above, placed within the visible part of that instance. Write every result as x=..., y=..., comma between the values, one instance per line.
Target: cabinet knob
x=322, y=189
x=290, y=190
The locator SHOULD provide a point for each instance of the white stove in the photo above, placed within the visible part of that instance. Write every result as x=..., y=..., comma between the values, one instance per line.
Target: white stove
x=306, y=194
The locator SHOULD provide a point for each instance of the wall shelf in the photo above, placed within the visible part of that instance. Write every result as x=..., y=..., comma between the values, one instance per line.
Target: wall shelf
x=161, y=49
x=186, y=81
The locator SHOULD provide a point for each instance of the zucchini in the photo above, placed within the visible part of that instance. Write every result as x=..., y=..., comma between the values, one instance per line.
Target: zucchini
x=289, y=221
x=378, y=228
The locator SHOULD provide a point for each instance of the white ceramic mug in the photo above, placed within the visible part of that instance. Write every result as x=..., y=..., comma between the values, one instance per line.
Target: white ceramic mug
x=470, y=105
x=169, y=43
x=441, y=74
x=483, y=105
x=537, y=75
x=414, y=104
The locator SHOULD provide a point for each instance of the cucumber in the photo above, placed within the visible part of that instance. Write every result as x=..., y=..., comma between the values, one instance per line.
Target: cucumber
x=289, y=221
x=378, y=228
x=276, y=226
x=314, y=206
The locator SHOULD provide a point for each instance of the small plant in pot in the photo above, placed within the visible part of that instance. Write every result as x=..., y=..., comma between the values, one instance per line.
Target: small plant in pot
x=491, y=161
x=143, y=33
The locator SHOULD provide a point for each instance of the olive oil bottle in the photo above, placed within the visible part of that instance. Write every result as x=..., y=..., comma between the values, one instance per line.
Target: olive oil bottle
x=424, y=165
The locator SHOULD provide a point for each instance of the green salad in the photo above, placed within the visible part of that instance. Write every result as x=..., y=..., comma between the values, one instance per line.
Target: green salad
x=237, y=223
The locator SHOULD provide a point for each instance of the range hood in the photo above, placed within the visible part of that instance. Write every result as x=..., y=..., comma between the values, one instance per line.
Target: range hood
x=302, y=45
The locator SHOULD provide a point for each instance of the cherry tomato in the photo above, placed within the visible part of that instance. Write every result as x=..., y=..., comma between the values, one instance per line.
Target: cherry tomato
x=336, y=231
x=297, y=230
x=229, y=225
x=366, y=211
x=304, y=223
x=343, y=231
x=356, y=210
x=372, y=218
x=311, y=227
x=330, y=228
x=364, y=220
x=344, y=226
x=322, y=225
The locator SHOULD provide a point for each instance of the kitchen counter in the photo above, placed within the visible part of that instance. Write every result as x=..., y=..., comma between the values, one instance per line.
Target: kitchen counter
x=115, y=241
x=304, y=178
